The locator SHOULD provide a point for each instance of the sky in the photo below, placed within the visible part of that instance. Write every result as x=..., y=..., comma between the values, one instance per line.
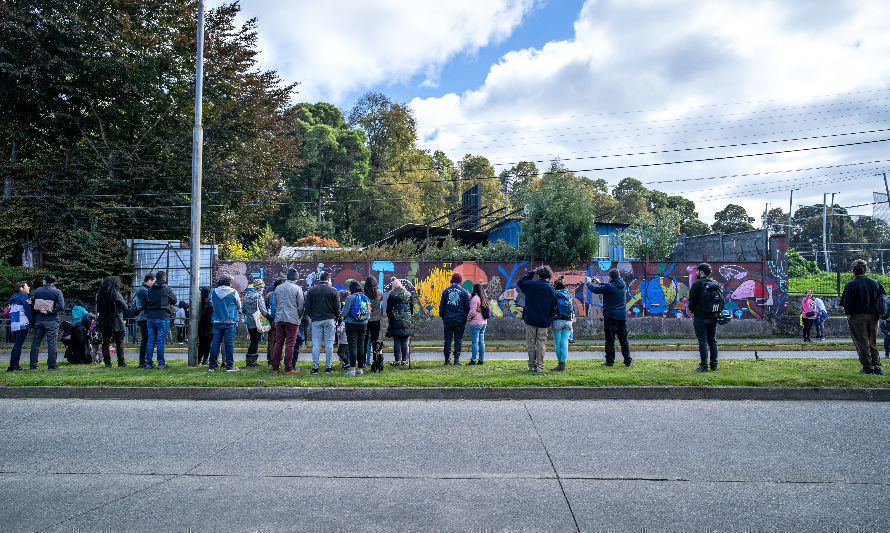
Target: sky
x=724, y=101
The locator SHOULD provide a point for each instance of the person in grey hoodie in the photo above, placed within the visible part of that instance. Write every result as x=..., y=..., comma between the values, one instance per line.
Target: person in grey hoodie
x=288, y=312
x=226, y=303
x=253, y=302
x=47, y=303
x=139, y=303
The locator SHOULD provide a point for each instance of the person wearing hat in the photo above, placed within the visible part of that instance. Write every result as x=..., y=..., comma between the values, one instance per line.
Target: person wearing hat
x=226, y=303
x=288, y=311
x=704, y=320
x=860, y=303
x=253, y=302
x=47, y=302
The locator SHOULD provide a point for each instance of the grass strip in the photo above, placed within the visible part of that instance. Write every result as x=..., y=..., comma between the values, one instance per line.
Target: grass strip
x=732, y=372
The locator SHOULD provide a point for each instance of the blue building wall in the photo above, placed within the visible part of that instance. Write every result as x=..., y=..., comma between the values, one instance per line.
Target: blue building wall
x=510, y=231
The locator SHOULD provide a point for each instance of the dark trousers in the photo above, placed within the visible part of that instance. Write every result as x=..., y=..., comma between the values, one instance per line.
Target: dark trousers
x=18, y=340
x=400, y=348
x=270, y=344
x=50, y=330
x=863, y=329
x=807, y=328
x=454, y=332
x=611, y=328
x=118, y=338
x=143, y=340
x=373, y=335
x=285, y=340
x=706, y=333
x=255, y=337
x=355, y=335
x=886, y=345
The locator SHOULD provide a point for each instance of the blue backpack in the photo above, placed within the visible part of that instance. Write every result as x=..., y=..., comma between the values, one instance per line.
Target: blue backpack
x=565, y=310
x=361, y=308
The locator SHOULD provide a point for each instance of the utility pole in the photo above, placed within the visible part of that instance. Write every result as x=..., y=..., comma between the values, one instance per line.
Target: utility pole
x=831, y=226
x=790, y=207
x=765, y=231
x=197, y=162
x=886, y=189
x=824, y=228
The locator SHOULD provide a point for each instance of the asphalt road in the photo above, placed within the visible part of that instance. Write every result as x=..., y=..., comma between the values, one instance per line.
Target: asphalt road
x=79, y=465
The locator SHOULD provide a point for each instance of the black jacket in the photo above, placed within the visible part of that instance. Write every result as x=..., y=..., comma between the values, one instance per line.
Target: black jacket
x=117, y=311
x=454, y=306
x=614, y=298
x=539, y=299
x=159, y=302
x=861, y=296
x=322, y=303
x=78, y=351
x=398, y=305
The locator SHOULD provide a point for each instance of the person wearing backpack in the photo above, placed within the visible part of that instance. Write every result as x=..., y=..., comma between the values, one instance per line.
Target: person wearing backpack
x=454, y=306
x=21, y=316
x=863, y=301
x=706, y=301
x=808, y=315
x=821, y=315
x=356, y=312
x=563, y=317
x=614, y=315
x=253, y=303
x=480, y=311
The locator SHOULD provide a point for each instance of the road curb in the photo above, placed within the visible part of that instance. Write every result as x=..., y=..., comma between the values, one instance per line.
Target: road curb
x=448, y=393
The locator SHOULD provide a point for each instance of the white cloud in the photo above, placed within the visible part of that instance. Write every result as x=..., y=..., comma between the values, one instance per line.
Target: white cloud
x=336, y=46
x=716, y=72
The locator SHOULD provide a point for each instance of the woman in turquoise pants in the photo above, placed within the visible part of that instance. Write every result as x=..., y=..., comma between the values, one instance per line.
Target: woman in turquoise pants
x=564, y=315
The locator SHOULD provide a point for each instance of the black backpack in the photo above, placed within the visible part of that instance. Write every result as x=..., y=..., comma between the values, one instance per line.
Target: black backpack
x=486, y=311
x=711, y=297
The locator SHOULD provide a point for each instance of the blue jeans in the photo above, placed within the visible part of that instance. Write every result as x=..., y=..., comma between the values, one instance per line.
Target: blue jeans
x=223, y=332
x=561, y=343
x=157, y=336
x=477, y=337
x=323, y=331
x=50, y=330
x=18, y=340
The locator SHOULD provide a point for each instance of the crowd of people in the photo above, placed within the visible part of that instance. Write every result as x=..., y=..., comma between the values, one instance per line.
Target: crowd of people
x=351, y=319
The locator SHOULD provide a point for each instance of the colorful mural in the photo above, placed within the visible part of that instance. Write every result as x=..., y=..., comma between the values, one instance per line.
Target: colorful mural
x=753, y=289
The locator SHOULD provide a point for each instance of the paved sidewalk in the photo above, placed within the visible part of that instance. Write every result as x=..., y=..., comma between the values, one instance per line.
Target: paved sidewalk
x=100, y=465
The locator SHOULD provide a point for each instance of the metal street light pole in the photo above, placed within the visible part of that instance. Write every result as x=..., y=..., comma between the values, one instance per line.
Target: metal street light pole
x=197, y=162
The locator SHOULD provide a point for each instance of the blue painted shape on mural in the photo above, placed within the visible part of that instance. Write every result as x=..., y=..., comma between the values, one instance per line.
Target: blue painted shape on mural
x=604, y=265
x=669, y=269
x=653, y=296
x=509, y=276
x=380, y=267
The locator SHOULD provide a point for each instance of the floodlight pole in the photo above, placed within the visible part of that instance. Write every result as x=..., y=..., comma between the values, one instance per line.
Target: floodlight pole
x=197, y=162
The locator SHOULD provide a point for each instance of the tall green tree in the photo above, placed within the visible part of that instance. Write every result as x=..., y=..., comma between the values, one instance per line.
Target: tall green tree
x=732, y=219
x=652, y=235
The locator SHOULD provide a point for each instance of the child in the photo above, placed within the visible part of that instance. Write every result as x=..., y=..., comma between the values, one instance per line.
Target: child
x=885, y=330
x=821, y=315
x=341, y=341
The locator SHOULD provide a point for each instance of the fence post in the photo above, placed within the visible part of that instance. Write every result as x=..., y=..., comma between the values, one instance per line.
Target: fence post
x=837, y=261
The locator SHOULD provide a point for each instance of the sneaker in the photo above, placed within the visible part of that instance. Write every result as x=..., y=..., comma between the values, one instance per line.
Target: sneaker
x=877, y=371
x=315, y=371
x=472, y=362
x=532, y=369
x=629, y=363
x=360, y=372
x=866, y=370
x=33, y=368
x=350, y=373
x=327, y=370
x=292, y=371
x=608, y=364
x=447, y=362
x=53, y=368
x=701, y=368
x=162, y=367
x=122, y=365
x=233, y=369
x=481, y=362
x=539, y=370
x=149, y=366
x=211, y=370
x=107, y=365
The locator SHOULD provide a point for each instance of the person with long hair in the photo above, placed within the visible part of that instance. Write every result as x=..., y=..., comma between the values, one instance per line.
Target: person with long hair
x=479, y=308
x=563, y=318
x=376, y=296
x=355, y=313
x=205, y=326
x=808, y=315
x=110, y=306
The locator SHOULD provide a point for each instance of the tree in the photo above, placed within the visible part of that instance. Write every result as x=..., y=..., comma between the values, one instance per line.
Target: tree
x=389, y=126
x=652, y=235
x=633, y=200
x=521, y=178
x=476, y=170
x=694, y=228
x=732, y=219
x=777, y=220
x=559, y=226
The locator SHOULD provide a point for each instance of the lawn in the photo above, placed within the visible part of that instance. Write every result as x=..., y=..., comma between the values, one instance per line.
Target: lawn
x=825, y=283
x=733, y=372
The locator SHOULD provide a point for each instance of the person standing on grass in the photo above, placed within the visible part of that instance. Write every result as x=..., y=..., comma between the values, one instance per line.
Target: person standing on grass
x=808, y=315
x=375, y=296
x=205, y=326
x=226, y=304
x=399, y=310
x=478, y=321
x=860, y=303
x=253, y=302
x=21, y=316
x=47, y=302
x=706, y=301
x=614, y=315
x=885, y=331
x=110, y=306
x=323, y=308
x=288, y=310
x=179, y=322
x=158, y=312
x=141, y=322
x=819, y=321
x=537, y=314
x=563, y=318
x=454, y=306
x=270, y=335
x=356, y=312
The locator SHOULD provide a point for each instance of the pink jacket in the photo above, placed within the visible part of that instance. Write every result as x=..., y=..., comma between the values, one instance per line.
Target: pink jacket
x=809, y=304
x=475, y=316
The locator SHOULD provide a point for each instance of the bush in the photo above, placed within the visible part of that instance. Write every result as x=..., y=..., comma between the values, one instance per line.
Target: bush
x=798, y=266
x=314, y=240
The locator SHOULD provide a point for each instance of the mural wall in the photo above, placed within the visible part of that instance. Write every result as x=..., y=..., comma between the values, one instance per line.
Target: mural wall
x=752, y=289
